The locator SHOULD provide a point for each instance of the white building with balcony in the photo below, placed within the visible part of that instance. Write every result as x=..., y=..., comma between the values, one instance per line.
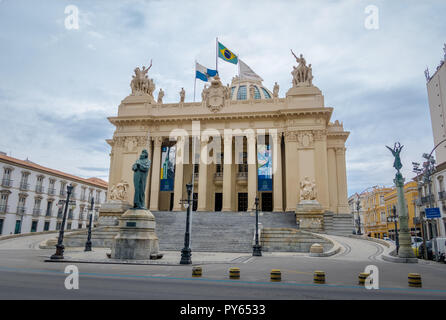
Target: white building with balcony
x=32, y=197
x=436, y=89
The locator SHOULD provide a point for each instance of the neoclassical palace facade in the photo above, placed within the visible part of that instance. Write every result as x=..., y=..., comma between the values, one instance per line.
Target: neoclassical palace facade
x=248, y=143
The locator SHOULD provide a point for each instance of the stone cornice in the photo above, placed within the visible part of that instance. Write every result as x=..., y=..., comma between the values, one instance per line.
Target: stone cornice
x=282, y=114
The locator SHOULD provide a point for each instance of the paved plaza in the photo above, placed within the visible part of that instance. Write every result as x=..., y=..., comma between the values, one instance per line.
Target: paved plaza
x=25, y=274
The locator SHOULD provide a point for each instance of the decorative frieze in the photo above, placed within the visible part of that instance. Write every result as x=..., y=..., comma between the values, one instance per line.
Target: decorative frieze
x=305, y=139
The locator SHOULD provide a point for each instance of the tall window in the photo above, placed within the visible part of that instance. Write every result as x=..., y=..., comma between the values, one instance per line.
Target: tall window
x=7, y=182
x=39, y=185
x=24, y=181
x=37, y=203
x=62, y=188
x=49, y=207
x=4, y=202
x=51, y=189
x=21, y=209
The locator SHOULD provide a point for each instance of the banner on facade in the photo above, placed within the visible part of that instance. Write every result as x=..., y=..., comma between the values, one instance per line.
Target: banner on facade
x=265, y=169
x=167, y=168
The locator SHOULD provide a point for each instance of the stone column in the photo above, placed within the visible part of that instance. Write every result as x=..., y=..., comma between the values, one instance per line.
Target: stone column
x=148, y=144
x=227, y=174
x=405, y=250
x=332, y=180
x=291, y=171
x=155, y=179
x=277, y=171
x=342, y=181
x=203, y=175
x=321, y=158
x=252, y=171
x=179, y=166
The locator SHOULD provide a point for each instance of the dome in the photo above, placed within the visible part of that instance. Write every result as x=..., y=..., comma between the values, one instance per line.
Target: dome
x=240, y=90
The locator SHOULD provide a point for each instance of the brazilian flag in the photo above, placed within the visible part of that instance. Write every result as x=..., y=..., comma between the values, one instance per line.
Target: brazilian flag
x=226, y=54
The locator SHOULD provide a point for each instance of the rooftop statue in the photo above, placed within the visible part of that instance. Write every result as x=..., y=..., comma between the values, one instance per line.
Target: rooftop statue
x=160, y=96
x=182, y=95
x=141, y=84
x=276, y=90
x=302, y=74
x=141, y=169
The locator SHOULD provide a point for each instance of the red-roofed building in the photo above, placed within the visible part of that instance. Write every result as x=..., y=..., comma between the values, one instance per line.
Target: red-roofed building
x=31, y=197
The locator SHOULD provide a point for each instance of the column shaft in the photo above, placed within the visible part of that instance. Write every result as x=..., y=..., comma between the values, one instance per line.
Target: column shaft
x=277, y=172
x=292, y=171
x=227, y=174
x=179, y=166
x=342, y=181
x=155, y=182
x=203, y=175
x=252, y=172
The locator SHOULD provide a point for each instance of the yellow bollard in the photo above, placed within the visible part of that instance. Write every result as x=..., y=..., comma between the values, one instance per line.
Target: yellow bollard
x=276, y=275
x=414, y=280
x=197, y=271
x=319, y=277
x=234, y=273
x=362, y=277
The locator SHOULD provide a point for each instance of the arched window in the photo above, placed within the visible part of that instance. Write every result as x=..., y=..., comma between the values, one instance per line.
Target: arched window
x=267, y=96
x=241, y=94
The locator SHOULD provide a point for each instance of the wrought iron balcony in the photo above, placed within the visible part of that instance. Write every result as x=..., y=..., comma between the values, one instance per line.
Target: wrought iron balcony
x=6, y=183
x=442, y=195
x=24, y=186
x=63, y=193
x=37, y=212
x=21, y=210
x=425, y=200
x=4, y=208
x=40, y=189
x=51, y=191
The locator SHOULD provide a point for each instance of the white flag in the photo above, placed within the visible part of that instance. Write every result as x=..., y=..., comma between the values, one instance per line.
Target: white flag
x=247, y=73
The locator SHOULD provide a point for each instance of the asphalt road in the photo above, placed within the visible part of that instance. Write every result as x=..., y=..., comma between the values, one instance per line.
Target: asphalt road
x=25, y=275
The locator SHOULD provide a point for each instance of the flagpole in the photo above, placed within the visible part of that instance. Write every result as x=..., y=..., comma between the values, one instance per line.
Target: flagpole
x=216, y=54
x=195, y=78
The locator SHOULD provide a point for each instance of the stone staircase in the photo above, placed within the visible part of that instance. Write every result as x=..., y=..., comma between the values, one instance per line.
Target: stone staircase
x=290, y=240
x=338, y=224
x=216, y=231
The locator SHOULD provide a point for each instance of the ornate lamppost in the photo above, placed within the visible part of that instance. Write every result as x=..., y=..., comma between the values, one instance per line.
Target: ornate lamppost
x=257, y=249
x=60, y=247
x=405, y=250
x=186, y=251
x=394, y=218
x=358, y=221
x=88, y=243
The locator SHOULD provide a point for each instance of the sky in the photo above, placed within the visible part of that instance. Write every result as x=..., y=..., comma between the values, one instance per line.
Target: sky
x=58, y=85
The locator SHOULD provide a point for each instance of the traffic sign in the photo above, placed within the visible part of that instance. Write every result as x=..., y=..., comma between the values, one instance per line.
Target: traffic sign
x=433, y=213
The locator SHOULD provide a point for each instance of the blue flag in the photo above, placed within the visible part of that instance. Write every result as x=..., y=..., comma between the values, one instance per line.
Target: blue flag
x=204, y=73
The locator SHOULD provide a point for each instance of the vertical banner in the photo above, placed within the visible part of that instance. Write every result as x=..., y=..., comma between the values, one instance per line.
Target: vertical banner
x=265, y=169
x=167, y=168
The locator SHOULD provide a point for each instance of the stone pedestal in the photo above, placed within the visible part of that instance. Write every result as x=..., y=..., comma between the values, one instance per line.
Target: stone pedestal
x=310, y=216
x=136, y=239
x=110, y=212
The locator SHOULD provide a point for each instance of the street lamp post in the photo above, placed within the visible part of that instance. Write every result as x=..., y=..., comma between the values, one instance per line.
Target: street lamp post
x=186, y=251
x=88, y=243
x=257, y=249
x=60, y=247
x=394, y=218
x=358, y=221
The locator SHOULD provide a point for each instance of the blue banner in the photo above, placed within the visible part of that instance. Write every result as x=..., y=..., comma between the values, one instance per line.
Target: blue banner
x=433, y=213
x=167, y=168
x=265, y=168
